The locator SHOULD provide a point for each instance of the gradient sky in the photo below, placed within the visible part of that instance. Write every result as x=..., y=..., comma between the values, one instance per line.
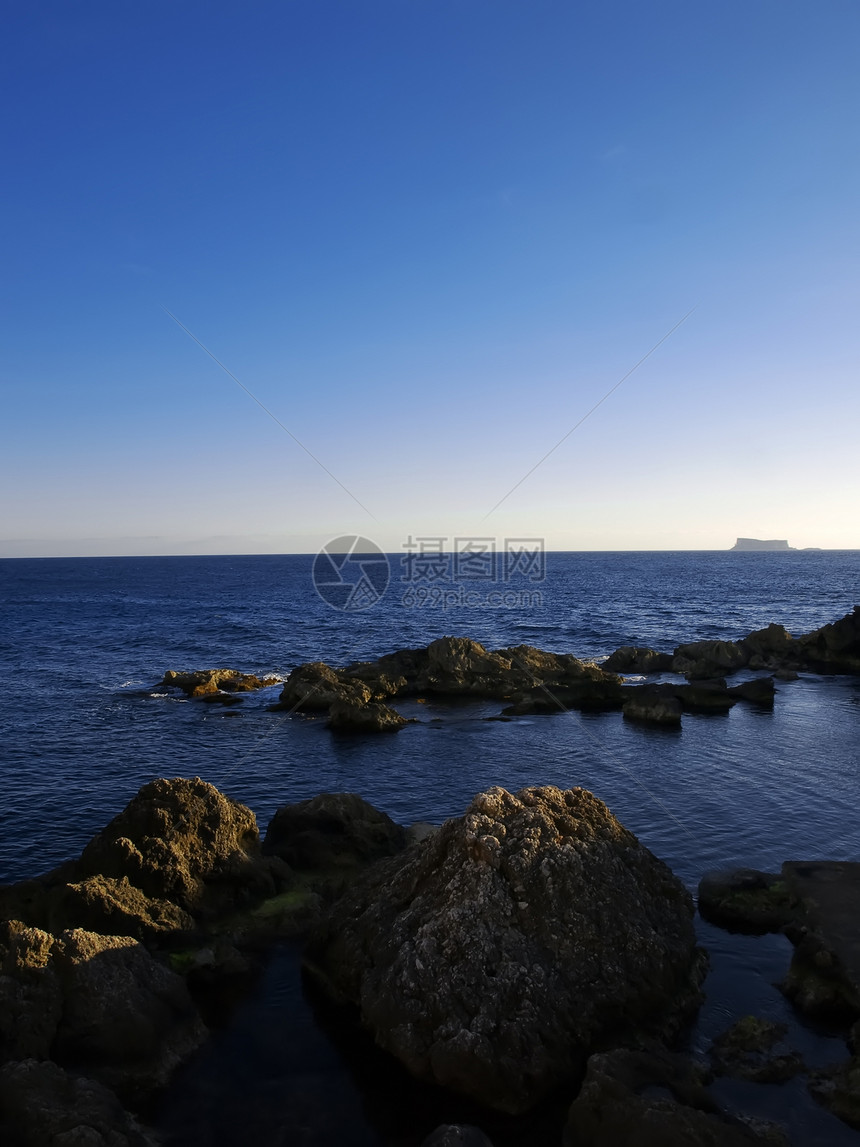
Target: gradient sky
x=429, y=235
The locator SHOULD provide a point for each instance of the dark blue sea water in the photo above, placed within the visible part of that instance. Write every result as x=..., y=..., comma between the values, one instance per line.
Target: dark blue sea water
x=83, y=643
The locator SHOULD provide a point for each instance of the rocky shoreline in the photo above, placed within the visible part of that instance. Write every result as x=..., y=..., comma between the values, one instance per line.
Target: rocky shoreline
x=358, y=698
x=528, y=950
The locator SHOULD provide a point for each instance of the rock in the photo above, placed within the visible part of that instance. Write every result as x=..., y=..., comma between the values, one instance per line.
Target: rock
x=746, y=900
x=95, y=1003
x=652, y=708
x=458, y=666
x=332, y=831
x=345, y=717
x=637, y=659
x=700, y=660
x=185, y=842
x=704, y=697
x=127, y=1020
x=588, y=694
x=838, y=1089
x=818, y=983
x=492, y=958
x=749, y=1050
x=43, y=1106
x=113, y=907
x=824, y=977
x=31, y=1000
x=769, y=647
x=219, y=699
x=203, y=682
x=312, y=688
x=833, y=648
x=419, y=831
x=457, y=1135
x=612, y=1111
x=758, y=691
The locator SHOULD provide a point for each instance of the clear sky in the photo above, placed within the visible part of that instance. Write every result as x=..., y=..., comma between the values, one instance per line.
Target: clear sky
x=429, y=236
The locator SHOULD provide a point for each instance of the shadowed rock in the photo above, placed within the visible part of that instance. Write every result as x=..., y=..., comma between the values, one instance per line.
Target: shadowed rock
x=834, y=648
x=768, y=647
x=31, y=999
x=653, y=708
x=700, y=660
x=457, y=1135
x=758, y=691
x=637, y=659
x=492, y=956
x=43, y=1106
x=616, y=1107
x=754, y=1049
x=100, y=1004
x=746, y=900
x=332, y=831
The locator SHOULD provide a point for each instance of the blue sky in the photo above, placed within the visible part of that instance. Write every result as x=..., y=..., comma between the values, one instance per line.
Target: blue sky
x=429, y=235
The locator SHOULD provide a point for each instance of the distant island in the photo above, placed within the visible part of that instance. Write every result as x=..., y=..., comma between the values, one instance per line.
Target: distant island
x=758, y=544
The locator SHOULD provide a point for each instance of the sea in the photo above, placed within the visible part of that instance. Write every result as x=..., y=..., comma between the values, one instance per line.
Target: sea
x=84, y=722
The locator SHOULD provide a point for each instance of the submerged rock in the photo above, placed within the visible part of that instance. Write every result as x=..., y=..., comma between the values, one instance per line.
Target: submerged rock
x=616, y=1107
x=754, y=1049
x=838, y=1087
x=653, y=708
x=43, y=1106
x=491, y=957
x=824, y=977
x=746, y=900
x=758, y=691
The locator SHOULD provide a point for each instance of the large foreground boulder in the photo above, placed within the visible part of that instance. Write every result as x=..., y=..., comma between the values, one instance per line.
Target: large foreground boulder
x=491, y=957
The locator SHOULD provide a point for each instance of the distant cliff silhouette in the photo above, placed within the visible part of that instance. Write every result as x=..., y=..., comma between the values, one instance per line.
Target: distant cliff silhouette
x=758, y=544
